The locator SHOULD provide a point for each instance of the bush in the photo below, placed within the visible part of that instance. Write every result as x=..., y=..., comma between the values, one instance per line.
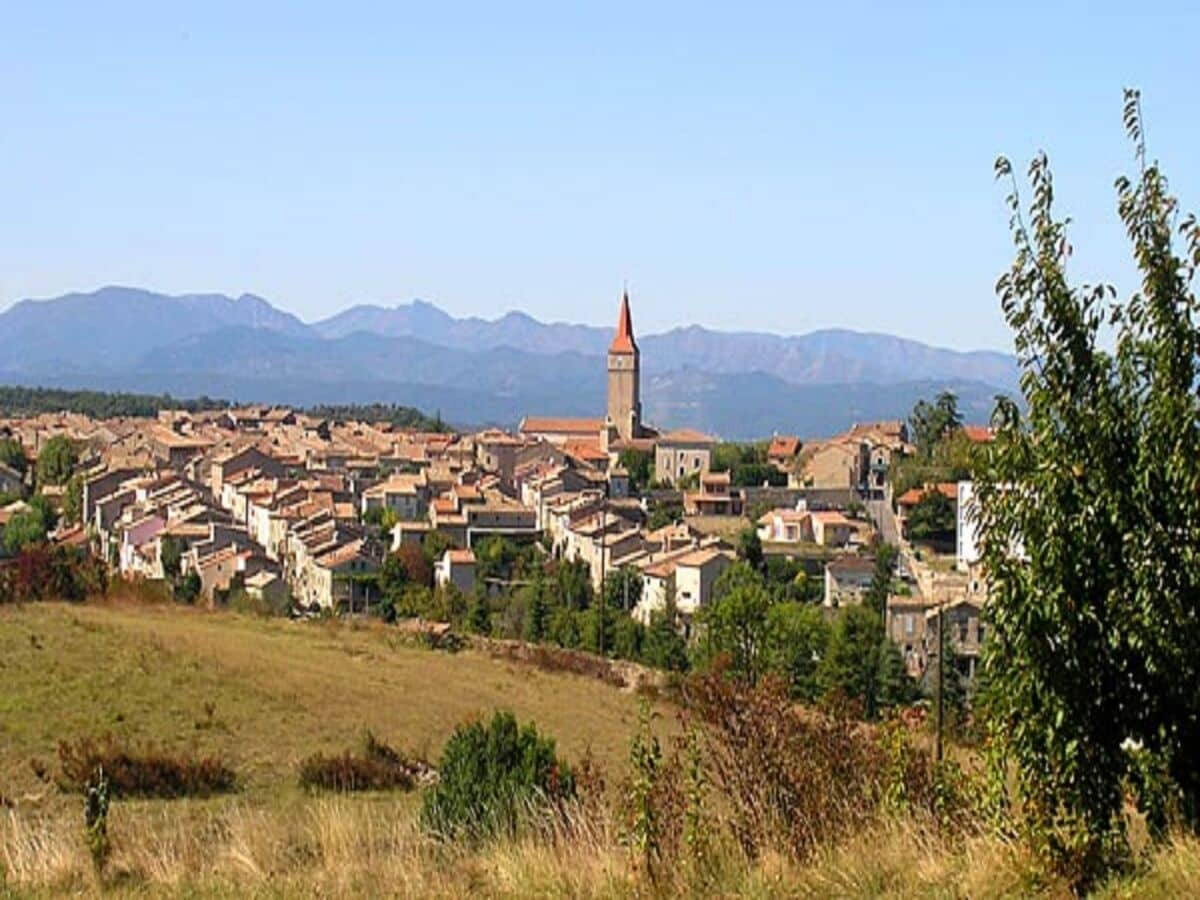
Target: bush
x=141, y=773
x=491, y=776
x=794, y=781
x=377, y=768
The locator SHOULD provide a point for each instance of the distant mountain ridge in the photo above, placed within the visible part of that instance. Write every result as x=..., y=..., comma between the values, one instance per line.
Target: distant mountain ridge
x=476, y=370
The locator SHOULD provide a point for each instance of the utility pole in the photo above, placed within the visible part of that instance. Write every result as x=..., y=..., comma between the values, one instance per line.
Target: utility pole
x=600, y=608
x=941, y=677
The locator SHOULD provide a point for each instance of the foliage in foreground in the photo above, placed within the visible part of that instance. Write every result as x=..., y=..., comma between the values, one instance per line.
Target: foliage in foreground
x=1090, y=517
x=145, y=772
x=490, y=776
x=378, y=767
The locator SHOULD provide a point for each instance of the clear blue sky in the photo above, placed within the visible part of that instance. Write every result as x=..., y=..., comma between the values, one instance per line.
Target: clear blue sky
x=757, y=167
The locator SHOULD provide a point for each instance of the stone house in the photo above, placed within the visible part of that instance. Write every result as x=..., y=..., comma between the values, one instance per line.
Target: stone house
x=847, y=579
x=681, y=453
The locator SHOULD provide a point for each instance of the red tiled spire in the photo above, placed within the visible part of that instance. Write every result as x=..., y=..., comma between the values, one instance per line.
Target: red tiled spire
x=623, y=341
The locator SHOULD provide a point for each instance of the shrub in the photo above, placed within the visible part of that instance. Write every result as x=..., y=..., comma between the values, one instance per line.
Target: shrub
x=141, y=773
x=377, y=768
x=490, y=776
x=792, y=780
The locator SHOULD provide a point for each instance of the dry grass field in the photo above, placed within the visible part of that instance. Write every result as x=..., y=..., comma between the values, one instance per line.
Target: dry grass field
x=266, y=693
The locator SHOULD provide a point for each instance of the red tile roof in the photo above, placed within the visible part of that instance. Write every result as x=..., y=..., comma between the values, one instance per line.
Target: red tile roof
x=542, y=424
x=980, y=434
x=913, y=496
x=783, y=447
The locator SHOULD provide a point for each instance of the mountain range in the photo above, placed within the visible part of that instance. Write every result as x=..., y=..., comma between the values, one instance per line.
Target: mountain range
x=479, y=371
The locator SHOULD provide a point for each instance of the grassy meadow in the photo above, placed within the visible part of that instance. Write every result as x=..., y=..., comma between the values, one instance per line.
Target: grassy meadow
x=266, y=693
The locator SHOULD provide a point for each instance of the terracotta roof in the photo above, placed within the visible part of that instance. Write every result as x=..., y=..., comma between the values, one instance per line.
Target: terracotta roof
x=913, y=496
x=783, y=447
x=623, y=341
x=461, y=557
x=699, y=557
x=831, y=517
x=686, y=436
x=980, y=434
x=537, y=424
x=588, y=451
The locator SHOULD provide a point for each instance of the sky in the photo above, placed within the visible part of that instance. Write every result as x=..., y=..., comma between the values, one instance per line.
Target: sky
x=772, y=167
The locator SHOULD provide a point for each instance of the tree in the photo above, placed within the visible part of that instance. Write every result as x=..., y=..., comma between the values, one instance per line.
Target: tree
x=862, y=663
x=489, y=775
x=623, y=588
x=188, y=588
x=72, y=507
x=573, y=582
x=393, y=579
x=881, y=579
x=664, y=513
x=24, y=528
x=628, y=638
x=598, y=625
x=933, y=517
x=796, y=639
x=56, y=461
x=750, y=548
x=1089, y=516
x=479, y=614
x=537, y=610
x=12, y=454
x=735, y=622
x=435, y=544
x=640, y=466
x=416, y=566
x=663, y=647
x=932, y=422
x=170, y=554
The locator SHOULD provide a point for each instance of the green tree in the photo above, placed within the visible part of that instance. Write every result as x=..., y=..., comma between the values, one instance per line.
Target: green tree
x=640, y=466
x=933, y=518
x=735, y=623
x=664, y=513
x=188, y=588
x=573, y=583
x=490, y=775
x=72, y=508
x=479, y=614
x=861, y=663
x=881, y=579
x=628, y=638
x=796, y=637
x=663, y=647
x=565, y=627
x=170, y=554
x=1089, y=519
x=597, y=627
x=12, y=454
x=750, y=548
x=393, y=579
x=537, y=611
x=623, y=588
x=930, y=423
x=57, y=460
x=24, y=528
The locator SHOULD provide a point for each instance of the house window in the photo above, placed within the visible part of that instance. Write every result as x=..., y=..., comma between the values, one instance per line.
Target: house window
x=962, y=632
x=696, y=463
x=908, y=624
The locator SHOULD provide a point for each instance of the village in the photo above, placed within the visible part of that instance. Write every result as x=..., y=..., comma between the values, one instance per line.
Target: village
x=301, y=514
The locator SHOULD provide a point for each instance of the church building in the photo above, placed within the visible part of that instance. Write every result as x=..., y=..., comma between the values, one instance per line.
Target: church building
x=622, y=425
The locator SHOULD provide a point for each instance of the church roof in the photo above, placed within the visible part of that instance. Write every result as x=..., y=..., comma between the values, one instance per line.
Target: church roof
x=623, y=341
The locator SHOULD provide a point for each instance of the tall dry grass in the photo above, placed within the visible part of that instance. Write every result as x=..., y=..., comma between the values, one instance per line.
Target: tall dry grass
x=369, y=846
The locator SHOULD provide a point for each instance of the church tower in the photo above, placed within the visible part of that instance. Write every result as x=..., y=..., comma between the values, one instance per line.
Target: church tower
x=624, y=388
